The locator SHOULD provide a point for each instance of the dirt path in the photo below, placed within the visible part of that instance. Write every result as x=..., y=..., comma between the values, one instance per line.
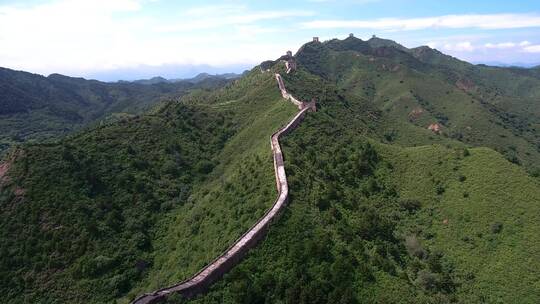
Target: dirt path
x=214, y=270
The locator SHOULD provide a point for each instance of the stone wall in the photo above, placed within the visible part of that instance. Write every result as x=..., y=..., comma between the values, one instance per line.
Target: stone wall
x=202, y=280
x=286, y=94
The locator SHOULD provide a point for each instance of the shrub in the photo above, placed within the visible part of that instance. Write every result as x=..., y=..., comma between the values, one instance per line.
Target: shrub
x=439, y=189
x=496, y=227
x=410, y=205
x=204, y=167
x=426, y=279
x=513, y=159
x=414, y=247
x=170, y=167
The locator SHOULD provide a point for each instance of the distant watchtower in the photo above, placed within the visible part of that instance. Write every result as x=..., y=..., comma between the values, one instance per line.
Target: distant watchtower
x=373, y=37
x=351, y=35
x=289, y=53
x=315, y=39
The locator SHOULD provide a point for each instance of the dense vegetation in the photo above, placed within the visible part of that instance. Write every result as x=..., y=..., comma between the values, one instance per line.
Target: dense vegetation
x=91, y=201
x=382, y=209
x=370, y=222
x=35, y=108
x=102, y=212
x=336, y=242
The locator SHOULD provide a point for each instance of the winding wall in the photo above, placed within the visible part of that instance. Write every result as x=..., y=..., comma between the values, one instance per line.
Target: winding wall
x=286, y=94
x=214, y=270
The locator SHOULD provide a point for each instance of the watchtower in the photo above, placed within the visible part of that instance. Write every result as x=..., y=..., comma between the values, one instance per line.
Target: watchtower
x=373, y=37
x=351, y=35
x=315, y=39
x=289, y=53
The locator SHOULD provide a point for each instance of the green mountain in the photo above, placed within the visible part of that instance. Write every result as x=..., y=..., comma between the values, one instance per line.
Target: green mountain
x=410, y=90
x=381, y=208
x=34, y=107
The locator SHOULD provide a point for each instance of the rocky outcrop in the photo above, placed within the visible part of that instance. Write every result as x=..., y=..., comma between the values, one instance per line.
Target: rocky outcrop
x=435, y=128
x=415, y=114
x=466, y=85
x=214, y=270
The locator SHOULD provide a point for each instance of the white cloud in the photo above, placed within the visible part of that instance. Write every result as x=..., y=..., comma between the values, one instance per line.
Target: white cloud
x=79, y=36
x=465, y=46
x=507, y=45
x=532, y=49
x=493, y=21
x=202, y=11
x=503, y=45
x=213, y=17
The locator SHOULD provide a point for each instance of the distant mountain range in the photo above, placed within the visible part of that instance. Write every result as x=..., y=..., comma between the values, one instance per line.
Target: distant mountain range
x=200, y=77
x=35, y=107
x=508, y=65
x=167, y=71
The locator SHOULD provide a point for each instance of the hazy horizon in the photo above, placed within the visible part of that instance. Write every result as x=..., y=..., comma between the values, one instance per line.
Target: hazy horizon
x=179, y=71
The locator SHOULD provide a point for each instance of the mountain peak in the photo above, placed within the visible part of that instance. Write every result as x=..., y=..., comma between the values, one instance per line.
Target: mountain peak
x=376, y=42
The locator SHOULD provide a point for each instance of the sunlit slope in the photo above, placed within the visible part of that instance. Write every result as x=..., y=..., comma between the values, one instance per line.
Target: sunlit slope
x=482, y=212
x=476, y=105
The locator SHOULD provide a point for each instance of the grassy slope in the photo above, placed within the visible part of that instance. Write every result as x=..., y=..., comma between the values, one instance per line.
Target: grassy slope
x=499, y=110
x=481, y=191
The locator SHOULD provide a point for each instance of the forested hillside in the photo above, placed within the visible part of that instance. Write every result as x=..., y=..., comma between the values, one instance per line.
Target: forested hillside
x=377, y=223
x=36, y=108
x=414, y=182
x=384, y=210
x=102, y=212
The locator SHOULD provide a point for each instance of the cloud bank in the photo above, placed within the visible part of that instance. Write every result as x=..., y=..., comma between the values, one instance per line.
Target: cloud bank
x=488, y=22
x=80, y=37
x=85, y=38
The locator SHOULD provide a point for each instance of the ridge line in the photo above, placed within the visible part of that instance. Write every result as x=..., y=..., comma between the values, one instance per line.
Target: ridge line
x=201, y=281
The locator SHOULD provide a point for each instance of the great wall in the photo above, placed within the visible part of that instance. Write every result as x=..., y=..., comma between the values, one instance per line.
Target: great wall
x=202, y=280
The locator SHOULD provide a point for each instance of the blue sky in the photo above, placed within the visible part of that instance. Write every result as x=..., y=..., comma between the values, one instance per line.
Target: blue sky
x=129, y=39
